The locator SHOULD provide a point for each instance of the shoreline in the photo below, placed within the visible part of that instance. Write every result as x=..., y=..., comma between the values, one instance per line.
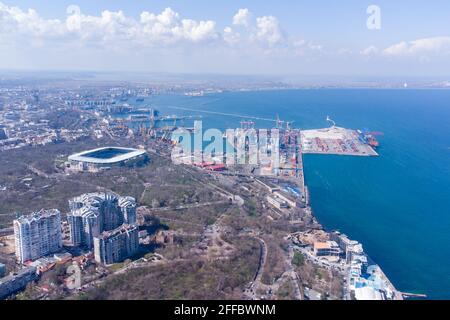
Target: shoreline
x=396, y=294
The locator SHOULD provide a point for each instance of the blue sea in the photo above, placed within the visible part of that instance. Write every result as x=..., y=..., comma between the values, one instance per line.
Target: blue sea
x=398, y=204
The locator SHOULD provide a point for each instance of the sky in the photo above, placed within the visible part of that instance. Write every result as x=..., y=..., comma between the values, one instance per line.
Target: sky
x=352, y=37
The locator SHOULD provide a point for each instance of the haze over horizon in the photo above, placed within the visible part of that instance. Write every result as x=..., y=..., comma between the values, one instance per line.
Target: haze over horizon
x=240, y=38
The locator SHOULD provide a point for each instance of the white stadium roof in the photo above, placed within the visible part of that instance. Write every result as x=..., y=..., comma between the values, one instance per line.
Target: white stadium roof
x=84, y=156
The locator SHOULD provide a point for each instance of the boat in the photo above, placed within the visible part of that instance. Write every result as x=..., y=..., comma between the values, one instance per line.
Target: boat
x=371, y=141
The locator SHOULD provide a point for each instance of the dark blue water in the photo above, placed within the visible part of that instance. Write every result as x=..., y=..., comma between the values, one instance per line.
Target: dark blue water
x=397, y=204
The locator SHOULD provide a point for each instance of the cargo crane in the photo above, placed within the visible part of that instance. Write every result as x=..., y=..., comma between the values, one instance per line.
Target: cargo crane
x=370, y=138
x=280, y=123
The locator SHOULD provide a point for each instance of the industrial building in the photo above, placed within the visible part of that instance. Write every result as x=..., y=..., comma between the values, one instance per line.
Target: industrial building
x=105, y=158
x=277, y=202
x=93, y=213
x=116, y=245
x=37, y=234
x=292, y=203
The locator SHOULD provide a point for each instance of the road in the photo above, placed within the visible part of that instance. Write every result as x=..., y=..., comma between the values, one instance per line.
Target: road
x=288, y=275
x=187, y=206
x=255, y=285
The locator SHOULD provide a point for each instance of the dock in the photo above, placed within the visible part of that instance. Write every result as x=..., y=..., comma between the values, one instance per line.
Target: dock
x=337, y=141
x=407, y=295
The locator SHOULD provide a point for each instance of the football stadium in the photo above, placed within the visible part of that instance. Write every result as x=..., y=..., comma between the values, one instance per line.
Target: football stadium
x=107, y=157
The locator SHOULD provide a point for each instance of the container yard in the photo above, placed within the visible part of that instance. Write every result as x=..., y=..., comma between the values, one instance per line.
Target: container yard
x=339, y=141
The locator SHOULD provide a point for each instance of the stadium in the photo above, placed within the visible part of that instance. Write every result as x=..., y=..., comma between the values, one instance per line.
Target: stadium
x=107, y=157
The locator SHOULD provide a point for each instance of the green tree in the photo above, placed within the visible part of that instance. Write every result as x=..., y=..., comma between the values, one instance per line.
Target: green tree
x=298, y=259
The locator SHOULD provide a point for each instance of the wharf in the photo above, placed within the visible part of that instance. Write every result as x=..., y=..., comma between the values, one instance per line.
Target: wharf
x=337, y=141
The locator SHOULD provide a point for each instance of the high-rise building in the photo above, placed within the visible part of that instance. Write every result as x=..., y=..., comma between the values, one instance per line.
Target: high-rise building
x=128, y=208
x=37, y=234
x=93, y=213
x=84, y=224
x=116, y=245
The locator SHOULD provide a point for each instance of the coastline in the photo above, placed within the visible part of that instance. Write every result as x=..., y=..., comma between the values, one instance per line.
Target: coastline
x=378, y=271
x=395, y=293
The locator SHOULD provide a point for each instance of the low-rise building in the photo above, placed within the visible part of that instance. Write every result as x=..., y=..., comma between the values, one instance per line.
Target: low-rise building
x=17, y=281
x=367, y=293
x=270, y=187
x=326, y=249
x=277, y=202
x=292, y=203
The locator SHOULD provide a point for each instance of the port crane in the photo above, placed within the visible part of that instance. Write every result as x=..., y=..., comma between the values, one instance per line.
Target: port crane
x=280, y=123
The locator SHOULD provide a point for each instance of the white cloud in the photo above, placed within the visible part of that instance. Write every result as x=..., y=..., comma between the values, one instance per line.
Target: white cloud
x=116, y=30
x=230, y=36
x=369, y=51
x=14, y=20
x=110, y=27
x=396, y=49
x=268, y=30
x=242, y=18
x=164, y=40
x=301, y=47
x=263, y=32
x=435, y=45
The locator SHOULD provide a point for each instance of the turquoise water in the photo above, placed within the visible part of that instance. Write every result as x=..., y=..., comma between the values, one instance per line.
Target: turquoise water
x=397, y=204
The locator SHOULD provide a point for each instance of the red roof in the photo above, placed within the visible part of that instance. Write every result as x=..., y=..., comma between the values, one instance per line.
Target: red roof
x=217, y=167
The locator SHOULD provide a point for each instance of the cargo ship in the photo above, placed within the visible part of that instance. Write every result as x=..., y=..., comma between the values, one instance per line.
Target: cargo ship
x=368, y=138
x=372, y=141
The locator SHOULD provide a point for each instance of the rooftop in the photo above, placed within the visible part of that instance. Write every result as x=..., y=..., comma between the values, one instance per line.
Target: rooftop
x=37, y=215
x=325, y=245
x=125, y=228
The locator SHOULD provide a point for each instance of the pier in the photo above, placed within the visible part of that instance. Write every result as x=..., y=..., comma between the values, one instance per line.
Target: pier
x=407, y=295
x=337, y=141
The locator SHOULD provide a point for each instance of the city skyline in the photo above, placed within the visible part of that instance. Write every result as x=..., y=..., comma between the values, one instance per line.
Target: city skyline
x=231, y=38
